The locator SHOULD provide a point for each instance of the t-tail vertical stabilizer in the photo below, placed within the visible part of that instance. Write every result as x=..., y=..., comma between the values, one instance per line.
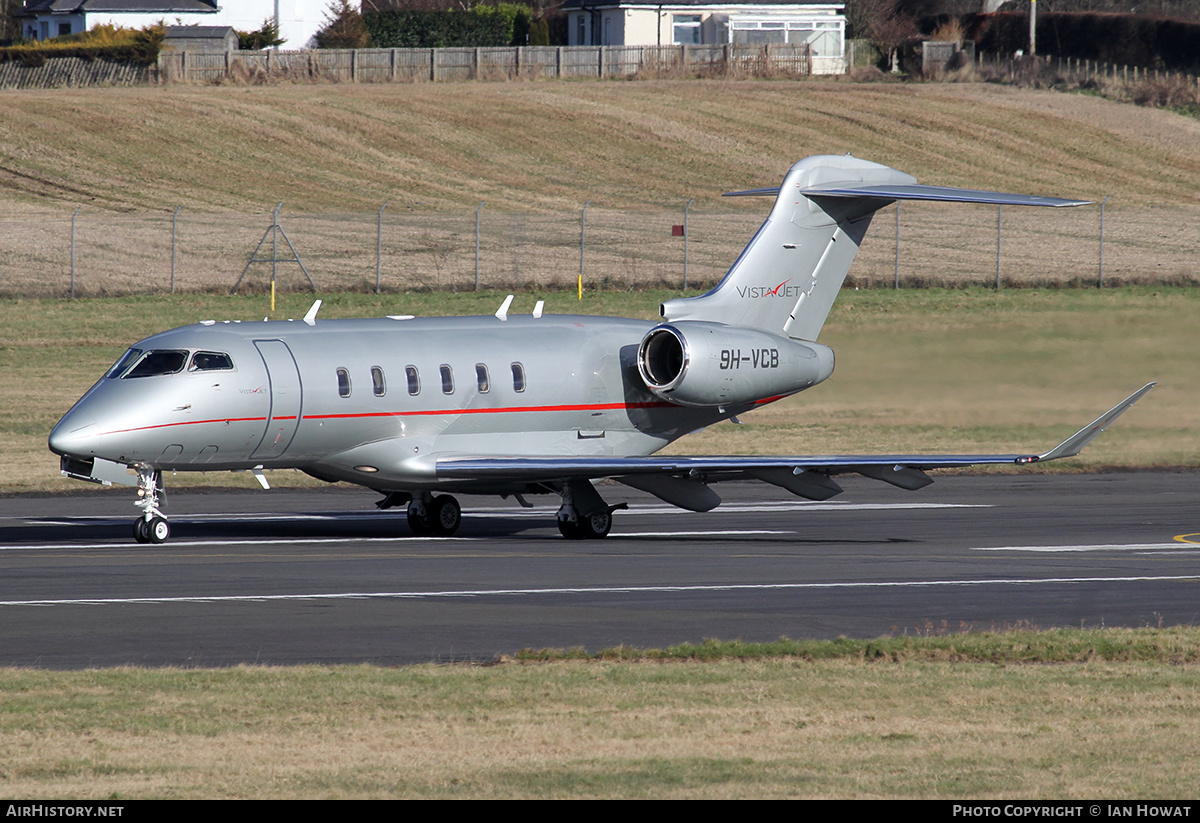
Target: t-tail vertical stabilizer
x=786, y=279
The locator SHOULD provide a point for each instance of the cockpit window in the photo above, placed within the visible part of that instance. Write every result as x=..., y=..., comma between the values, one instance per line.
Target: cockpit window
x=125, y=362
x=211, y=361
x=155, y=363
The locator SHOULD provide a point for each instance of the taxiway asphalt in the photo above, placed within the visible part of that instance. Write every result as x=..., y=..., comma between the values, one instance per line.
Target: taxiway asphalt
x=287, y=577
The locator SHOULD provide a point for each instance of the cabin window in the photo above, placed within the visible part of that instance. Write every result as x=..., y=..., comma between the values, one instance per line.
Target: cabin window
x=211, y=361
x=447, y=380
x=378, y=384
x=481, y=377
x=518, y=373
x=343, y=382
x=155, y=363
x=414, y=380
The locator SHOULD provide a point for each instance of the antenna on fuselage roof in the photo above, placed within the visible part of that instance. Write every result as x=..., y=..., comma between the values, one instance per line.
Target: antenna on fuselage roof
x=502, y=312
x=311, y=317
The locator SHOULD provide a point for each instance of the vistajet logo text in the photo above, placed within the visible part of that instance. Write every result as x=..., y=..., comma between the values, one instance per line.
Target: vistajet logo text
x=782, y=290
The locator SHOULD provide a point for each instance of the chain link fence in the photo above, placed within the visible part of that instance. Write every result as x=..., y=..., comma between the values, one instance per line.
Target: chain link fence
x=927, y=244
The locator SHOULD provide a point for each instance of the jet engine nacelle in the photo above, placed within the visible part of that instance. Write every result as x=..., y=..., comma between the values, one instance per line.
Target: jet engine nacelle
x=697, y=363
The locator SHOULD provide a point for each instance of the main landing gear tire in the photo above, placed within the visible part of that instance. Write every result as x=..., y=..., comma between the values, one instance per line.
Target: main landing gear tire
x=156, y=530
x=592, y=527
x=446, y=515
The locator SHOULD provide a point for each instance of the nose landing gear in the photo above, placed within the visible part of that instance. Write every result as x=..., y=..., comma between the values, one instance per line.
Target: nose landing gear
x=152, y=525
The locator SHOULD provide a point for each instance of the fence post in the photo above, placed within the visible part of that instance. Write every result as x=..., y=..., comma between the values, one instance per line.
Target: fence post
x=174, y=219
x=686, y=209
x=379, y=245
x=477, y=211
x=896, y=269
x=73, y=216
x=999, y=214
x=1100, y=273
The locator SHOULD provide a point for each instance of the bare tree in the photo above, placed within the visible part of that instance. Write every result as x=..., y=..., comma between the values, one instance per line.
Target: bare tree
x=885, y=24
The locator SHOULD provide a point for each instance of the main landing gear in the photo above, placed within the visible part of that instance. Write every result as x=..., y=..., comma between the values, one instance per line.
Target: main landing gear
x=152, y=525
x=439, y=515
x=584, y=515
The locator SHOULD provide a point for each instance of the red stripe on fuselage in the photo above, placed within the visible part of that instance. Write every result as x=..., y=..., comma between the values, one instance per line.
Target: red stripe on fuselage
x=225, y=420
x=413, y=413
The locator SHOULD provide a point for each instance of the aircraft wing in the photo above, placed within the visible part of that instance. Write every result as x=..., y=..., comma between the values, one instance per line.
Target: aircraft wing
x=682, y=480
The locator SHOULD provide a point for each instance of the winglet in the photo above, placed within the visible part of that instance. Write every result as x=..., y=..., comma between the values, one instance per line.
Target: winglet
x=1074, y=444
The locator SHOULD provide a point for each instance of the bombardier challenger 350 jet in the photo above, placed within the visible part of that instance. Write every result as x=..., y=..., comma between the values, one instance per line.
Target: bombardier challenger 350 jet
x=421, y=409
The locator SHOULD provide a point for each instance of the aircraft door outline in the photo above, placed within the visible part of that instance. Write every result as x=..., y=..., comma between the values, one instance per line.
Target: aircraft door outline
x=283, y=377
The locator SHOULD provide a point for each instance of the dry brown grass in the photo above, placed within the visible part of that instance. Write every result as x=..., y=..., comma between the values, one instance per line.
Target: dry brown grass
x=537, y=151
x=548, y=146
x=731, y=729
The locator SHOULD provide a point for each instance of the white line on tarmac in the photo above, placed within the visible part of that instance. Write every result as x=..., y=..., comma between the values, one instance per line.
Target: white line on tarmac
x=399, y=540
x=419, y=595
x=1175, y=548
x=538, y=512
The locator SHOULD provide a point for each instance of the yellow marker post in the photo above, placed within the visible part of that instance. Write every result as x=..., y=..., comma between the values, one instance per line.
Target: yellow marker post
x=582, y=239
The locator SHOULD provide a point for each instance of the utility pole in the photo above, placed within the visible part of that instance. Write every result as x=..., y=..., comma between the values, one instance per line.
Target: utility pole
x=1032, y=27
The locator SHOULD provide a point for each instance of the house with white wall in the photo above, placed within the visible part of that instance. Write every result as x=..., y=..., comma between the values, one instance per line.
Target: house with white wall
x=821, y=25
x=299, y=20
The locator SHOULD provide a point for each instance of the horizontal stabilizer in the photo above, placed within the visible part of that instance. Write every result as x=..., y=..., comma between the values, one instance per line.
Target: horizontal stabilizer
x=918, y=192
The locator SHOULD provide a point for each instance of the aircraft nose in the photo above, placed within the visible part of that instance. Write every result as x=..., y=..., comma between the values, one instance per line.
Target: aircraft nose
x=72, y=433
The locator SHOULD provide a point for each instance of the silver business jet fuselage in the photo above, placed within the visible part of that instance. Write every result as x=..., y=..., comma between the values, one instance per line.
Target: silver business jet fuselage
x=419, y=409
x=376, y=401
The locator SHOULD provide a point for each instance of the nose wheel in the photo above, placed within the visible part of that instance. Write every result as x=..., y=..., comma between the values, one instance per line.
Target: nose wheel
x=152, y=525
x=154, y=530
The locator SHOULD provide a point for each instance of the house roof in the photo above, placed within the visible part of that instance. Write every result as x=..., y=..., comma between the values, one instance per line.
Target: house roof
x=198, y=32
x=152, y=6
x=612, y=4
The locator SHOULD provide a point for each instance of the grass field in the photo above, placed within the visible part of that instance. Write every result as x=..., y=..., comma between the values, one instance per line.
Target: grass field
x=542, y=146
x=537, y=152
x=1011, y=715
